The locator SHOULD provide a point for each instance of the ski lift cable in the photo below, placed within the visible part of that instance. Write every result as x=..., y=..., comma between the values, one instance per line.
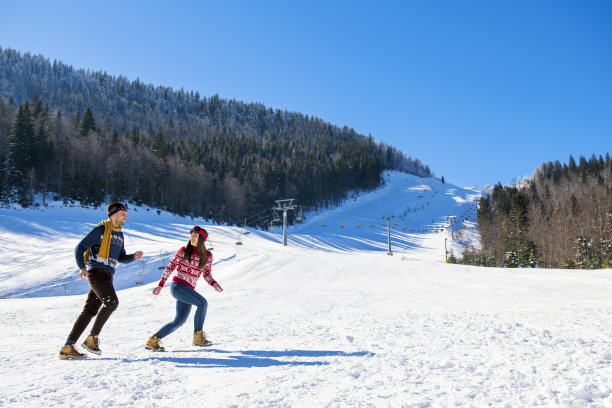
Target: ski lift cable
x=257, y=214
x=253, y=220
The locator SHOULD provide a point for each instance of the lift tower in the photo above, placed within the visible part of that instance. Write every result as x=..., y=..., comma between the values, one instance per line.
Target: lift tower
x=284, y=206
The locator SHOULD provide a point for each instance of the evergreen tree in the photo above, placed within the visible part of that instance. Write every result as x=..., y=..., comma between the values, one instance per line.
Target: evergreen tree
x=42, y=148
x=159, y=145
x=572, y=164
x=18, y=158
x=88, y=123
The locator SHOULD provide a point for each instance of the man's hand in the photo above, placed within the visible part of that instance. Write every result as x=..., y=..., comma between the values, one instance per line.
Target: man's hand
x=83, y=273
x=137, y=254
x=218, y=287
x=157, y=290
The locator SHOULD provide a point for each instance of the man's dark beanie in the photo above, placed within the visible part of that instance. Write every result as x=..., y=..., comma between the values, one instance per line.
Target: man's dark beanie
x=115, y=207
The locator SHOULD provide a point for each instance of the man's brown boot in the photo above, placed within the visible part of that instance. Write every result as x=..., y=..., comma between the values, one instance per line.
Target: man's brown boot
x=68, y=352
x=91, y=344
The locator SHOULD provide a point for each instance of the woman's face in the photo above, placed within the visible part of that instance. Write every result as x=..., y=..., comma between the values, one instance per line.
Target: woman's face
x=194, y=239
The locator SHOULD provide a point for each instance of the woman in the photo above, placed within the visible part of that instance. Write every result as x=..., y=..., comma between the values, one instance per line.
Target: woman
x=190, y=262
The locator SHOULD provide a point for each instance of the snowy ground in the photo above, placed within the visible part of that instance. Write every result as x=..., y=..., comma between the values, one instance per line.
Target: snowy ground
x=329, y=320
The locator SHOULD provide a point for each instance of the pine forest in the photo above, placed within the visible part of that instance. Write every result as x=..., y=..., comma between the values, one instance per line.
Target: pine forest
x=76, y=135
x=560, y=218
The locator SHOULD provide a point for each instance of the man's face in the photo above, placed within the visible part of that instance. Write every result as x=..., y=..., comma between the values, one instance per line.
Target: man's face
x=119, y=218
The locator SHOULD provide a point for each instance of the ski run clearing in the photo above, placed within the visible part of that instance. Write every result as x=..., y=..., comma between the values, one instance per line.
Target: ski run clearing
x=330, y=320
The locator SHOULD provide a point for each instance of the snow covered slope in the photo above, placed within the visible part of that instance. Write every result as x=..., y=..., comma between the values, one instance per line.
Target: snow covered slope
x=37, y=251
x=419, y=208
x=329, y=320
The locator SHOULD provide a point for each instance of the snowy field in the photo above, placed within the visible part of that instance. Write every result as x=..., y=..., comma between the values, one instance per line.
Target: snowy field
x=328, y=321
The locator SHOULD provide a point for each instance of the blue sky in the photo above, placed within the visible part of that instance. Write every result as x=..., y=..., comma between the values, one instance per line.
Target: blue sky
x=481, y=91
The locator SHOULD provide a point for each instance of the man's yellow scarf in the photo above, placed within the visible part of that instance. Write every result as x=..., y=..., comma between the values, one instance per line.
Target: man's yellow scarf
x=105, y=245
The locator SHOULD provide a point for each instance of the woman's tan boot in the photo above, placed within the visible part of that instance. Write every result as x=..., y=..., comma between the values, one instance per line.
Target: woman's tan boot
x=199, y=339
x=154, y=344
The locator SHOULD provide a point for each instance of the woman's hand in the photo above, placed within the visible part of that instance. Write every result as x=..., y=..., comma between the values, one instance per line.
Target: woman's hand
x=83, y=273
x=137, y=254
x=157, y=290
x=218, y=287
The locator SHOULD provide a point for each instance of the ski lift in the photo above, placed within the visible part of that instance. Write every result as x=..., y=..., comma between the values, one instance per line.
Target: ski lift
x=139, y=281
x=275, y=218
x=239, y=242
x=300, y=217
x=161, y=257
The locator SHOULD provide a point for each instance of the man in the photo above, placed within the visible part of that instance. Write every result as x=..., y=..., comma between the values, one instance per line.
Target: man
x=96, y=256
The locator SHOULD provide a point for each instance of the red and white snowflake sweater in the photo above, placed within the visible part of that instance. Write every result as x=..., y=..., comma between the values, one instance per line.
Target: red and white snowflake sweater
x=188, y=272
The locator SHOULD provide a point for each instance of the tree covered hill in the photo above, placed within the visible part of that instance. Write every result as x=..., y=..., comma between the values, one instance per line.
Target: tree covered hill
x=91, y=136
x=560, y=218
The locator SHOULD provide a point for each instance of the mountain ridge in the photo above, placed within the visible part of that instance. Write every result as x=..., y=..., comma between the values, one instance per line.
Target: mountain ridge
x=158, y=136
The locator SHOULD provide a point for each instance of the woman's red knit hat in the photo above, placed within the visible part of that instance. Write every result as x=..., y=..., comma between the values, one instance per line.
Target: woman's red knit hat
x=200, y=231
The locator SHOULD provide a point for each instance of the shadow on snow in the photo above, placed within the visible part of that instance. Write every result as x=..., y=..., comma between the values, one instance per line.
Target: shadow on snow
x=246, y=359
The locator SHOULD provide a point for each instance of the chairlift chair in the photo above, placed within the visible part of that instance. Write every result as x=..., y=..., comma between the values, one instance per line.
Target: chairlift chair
x=300, y=218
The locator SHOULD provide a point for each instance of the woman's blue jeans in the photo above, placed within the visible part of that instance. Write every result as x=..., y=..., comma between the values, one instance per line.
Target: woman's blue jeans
x=185, y=298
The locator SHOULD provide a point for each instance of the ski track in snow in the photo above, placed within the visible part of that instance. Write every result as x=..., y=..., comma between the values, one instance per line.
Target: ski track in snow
x=328, y=321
